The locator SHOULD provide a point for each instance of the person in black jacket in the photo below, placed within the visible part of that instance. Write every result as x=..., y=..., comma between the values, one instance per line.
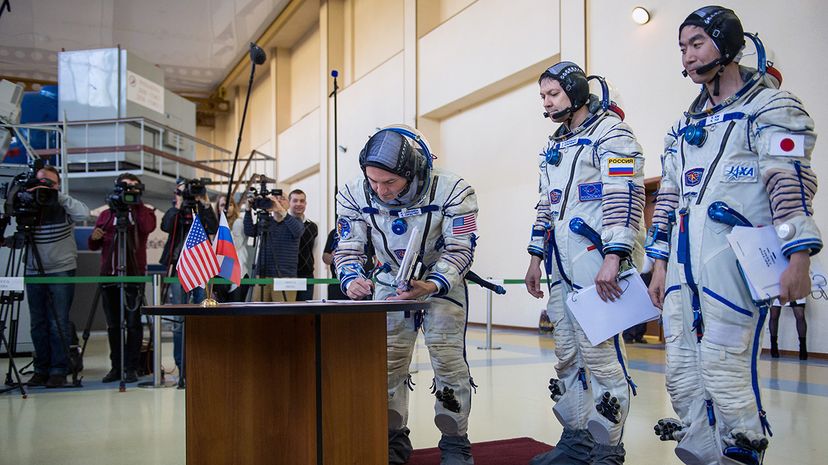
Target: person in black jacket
x=176, y=222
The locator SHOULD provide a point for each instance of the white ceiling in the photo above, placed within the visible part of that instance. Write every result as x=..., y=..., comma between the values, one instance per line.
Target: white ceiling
x=196, y=42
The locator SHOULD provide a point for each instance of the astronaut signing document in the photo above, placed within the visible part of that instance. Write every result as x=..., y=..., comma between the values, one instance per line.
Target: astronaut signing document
x=591, y=180
x=739, y=156
x=411, y=209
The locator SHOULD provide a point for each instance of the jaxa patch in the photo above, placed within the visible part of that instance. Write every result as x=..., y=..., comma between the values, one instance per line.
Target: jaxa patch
x=343, y=228
x=400, y=253
x=590, y=191
x=740, y=172
x=555, y=196
x=621, y=166
x=693, y=177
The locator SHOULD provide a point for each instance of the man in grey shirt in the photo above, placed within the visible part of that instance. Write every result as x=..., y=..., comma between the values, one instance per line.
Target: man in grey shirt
x=49, y=304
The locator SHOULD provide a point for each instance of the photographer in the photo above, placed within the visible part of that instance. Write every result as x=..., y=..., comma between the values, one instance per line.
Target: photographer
x=49, y=304
x=277, y=235
x=190, y=198
x=124, y=202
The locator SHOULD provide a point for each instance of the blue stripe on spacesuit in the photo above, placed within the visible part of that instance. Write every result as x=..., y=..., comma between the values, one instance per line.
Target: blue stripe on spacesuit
x=813, y=244
x=554, y=251
x=683, y=257
x=727, y=303
x=672, y=289
x=444, y=284
x=754, y=376
x=623, y=365
x=798, y=167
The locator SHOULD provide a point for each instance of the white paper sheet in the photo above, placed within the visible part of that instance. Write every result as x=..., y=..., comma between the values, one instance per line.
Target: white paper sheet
x=759, y=252
x=602, y=320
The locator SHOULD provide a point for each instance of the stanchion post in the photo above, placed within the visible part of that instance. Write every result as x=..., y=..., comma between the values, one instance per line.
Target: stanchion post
x=157, y=375
x=488, y=345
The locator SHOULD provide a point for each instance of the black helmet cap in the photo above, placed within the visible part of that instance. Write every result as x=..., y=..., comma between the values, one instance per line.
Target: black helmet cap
x=723, y=27
x=573, y=81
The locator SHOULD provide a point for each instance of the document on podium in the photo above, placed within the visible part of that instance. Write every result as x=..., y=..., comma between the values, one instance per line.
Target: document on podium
x=759, y=253
x=602, y=320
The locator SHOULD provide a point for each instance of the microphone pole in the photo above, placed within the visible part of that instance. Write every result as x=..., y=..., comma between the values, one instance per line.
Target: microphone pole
x=257, y=57
x=334, y=75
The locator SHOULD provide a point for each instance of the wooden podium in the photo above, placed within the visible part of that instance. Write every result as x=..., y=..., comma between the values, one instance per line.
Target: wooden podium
x=286, y=383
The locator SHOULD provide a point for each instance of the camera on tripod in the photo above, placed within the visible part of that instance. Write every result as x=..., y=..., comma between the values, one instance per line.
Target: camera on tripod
x=193, y=189
x=23, y=203
x=261, y=197
x=125, y=195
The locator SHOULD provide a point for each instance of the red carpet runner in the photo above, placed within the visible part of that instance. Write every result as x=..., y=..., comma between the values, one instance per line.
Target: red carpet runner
x=516, y=451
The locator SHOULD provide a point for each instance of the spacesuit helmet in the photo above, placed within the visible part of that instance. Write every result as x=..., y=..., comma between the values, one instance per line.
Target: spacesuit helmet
x=400, y=150
x=723, y=27
x=573, y=81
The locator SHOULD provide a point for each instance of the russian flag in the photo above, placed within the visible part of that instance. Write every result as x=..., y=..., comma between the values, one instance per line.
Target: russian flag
x=229, y=266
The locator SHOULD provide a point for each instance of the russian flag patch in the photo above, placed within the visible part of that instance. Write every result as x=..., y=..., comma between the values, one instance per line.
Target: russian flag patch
x=464, y=224
x=621, y=166
x=786, y=144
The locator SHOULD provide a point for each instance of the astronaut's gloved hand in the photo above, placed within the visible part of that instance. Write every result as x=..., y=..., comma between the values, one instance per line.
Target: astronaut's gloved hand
x=418, y=289
x=360, y=288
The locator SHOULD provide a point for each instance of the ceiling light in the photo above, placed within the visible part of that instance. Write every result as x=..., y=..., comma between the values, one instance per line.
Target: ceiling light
x=640, y=15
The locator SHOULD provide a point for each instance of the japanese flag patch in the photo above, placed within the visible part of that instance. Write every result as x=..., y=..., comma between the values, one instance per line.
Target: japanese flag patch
x=621, y=166
x=786, y=144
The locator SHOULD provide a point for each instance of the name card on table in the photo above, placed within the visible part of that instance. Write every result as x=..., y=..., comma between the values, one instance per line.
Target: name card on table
x=11, y=284
x=290, y=284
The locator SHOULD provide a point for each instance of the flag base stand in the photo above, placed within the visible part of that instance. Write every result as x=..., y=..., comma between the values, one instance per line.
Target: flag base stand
x=209, y=303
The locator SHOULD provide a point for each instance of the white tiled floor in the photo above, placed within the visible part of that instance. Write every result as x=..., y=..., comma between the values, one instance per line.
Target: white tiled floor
x=97, y=424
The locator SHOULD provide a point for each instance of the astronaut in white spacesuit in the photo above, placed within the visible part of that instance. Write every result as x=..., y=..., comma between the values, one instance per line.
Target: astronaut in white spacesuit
x=740, y=155
x=400, y=196
x=591, y=179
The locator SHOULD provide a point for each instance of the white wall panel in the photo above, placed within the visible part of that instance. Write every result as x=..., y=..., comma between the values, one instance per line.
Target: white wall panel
x=305, y=76
x=299, y=147
x=494, y=146
x=482, y=45
x=377, y=33
x=376, y=100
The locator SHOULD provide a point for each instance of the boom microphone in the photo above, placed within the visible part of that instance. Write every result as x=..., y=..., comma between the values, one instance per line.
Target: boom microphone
x=557, y=114
x=257, y=55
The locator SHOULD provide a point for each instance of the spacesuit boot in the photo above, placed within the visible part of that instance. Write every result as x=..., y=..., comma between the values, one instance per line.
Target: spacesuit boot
x=745, y=447
x=399, y=446
x=455, y=450
x=604, y=454
x=574, y=448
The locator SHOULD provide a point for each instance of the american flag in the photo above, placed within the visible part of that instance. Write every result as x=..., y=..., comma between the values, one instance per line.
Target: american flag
x=464, y=224
x=198, y=262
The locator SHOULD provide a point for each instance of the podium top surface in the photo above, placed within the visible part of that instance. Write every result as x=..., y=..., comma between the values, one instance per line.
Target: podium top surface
x=311, y=307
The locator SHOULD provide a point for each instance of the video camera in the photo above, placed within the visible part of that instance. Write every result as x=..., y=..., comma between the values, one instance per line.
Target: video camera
x=25, y=204
x=261, y=196
x=193, y=189
x=124, y=195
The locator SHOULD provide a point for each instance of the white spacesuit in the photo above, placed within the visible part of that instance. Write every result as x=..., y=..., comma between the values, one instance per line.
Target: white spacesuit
x=590, y=180
x=744, y=161
x=441, y=208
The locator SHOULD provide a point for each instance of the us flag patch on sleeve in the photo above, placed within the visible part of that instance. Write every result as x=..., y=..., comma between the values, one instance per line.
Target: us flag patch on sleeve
x=786, y=144
x=464, y=224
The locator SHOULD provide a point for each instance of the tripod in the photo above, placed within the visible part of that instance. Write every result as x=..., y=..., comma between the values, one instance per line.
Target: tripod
x=23, y=239
x=10, y=310
x=262, y=222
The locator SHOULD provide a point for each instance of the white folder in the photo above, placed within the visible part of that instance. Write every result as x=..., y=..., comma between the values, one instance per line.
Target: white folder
x=602, y=320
